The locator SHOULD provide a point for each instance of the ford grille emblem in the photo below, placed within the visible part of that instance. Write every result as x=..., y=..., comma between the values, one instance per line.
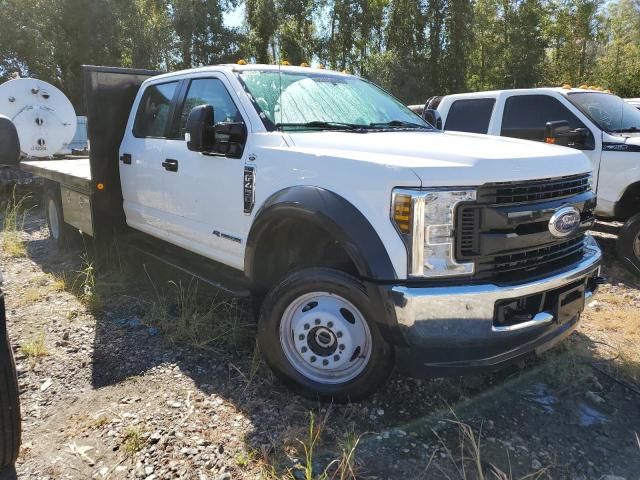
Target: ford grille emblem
x=564, y=222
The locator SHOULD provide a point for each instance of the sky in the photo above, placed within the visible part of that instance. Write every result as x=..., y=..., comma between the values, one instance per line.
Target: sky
x=235, y=17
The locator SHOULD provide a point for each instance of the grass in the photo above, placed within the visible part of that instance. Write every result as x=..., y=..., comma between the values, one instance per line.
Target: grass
x=133, y=441
x=185, y=316
x=13, y=218
x=468, y=462
x=36, y=348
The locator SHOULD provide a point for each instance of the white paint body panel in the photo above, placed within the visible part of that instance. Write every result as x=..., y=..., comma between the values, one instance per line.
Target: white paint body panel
x=206, y=193
x=613, y=171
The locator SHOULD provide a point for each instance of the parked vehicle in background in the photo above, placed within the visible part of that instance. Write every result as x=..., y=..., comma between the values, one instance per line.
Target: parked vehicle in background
x=365, y=237
x=634, y=101
x=601, y=125
x=10, y=425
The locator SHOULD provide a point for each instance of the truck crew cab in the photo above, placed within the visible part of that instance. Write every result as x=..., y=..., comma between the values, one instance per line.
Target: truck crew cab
x=365, y=237
x=601, y=125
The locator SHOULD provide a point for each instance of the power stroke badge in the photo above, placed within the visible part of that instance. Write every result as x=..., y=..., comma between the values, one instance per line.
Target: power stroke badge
x=249, y=188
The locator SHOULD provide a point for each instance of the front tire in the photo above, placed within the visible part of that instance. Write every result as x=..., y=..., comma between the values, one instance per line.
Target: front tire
x=628, y=245
x=10, y=428
x=317, y=332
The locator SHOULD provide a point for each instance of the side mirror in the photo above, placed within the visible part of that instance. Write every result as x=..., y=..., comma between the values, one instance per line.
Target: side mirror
x=559, y=133
x=433, y=117
x=200, y=133
x=9, y=142
x=205, y=136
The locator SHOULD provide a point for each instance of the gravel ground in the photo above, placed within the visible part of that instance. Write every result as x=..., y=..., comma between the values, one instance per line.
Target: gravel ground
x=109, y=391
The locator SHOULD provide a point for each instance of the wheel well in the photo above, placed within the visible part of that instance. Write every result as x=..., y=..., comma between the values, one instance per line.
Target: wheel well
x=629, y=203
x=291, y=244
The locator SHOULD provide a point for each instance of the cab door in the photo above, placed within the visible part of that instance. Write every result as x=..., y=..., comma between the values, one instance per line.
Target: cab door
x=141, y=158
x=204, y=193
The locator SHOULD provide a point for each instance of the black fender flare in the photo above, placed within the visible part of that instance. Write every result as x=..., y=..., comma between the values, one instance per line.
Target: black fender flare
x=333, y=213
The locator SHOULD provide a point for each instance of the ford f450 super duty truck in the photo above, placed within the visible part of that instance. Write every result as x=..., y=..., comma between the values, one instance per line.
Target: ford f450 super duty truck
x=365, y=237
x=601, y=125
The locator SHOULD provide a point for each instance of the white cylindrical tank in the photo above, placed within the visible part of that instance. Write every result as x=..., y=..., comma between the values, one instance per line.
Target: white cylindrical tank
x=42, y=114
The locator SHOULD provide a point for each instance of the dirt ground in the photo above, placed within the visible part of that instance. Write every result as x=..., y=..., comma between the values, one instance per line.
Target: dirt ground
x=127, y=376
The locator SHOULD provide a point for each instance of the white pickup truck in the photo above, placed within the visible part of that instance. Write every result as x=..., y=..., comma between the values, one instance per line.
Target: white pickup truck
x=365, y=237
x=601, y=125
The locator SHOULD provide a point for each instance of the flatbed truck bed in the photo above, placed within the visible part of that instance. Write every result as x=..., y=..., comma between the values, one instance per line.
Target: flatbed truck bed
x=73, y=172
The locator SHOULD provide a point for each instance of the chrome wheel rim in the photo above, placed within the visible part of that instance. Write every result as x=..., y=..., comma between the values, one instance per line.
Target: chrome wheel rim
x=325, y=338
x=54, y=224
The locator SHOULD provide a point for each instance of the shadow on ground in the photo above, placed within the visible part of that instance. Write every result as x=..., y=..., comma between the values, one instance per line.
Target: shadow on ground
x=547, y=416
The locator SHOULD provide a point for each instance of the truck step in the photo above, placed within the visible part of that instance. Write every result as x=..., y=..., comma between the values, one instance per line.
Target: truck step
x=214, y=274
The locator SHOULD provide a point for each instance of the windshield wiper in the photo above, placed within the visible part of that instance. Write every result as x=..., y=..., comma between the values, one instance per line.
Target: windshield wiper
x=399, y=123
x=626, y=130
x=321, y=125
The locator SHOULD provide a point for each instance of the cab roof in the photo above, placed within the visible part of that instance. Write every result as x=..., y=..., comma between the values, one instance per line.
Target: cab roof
x=233, y=67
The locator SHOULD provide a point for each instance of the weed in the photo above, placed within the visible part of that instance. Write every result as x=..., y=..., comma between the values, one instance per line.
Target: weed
x=99, y=422
x=309, y=445
x=13, y=218
x=469, y=463
x=244, y=459
x=348, y=465
x=36, y=348
x=186, y=317
x=133, y=441
x=33, y=294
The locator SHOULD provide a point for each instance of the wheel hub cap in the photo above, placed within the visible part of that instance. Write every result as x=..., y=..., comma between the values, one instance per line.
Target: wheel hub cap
x=325, y=338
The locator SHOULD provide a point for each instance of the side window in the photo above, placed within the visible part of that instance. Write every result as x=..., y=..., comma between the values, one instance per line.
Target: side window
x=152, y=117
x=525, y=116
x=209, y=91
x=471, y=115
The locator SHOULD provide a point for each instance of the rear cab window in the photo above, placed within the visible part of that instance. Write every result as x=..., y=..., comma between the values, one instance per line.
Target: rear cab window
x=154, y=111
x=472, y=115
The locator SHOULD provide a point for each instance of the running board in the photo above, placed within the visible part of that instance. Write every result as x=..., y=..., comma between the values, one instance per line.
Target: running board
x=201, y=268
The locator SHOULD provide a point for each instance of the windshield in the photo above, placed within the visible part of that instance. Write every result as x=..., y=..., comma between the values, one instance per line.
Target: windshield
x=609, y=112
x=319, y=101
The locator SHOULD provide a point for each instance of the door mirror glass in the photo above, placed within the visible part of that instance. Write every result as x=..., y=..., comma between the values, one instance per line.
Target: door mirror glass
x=433, y=117
x=558, y=133
x=230, y=138
x=9, y=142
x=200, y=132
x=205, y=136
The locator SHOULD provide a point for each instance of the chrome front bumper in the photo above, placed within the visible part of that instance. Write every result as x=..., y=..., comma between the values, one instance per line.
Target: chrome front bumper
x=455, y=326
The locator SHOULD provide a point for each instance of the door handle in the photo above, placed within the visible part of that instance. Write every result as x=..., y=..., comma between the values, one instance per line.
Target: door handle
x=126, y=158
x=170, y=165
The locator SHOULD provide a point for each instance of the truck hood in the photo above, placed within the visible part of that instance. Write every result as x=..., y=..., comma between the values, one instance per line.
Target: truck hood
x=447, y=158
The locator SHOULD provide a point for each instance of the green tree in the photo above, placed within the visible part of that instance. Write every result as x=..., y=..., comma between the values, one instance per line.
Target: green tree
x=618, y=67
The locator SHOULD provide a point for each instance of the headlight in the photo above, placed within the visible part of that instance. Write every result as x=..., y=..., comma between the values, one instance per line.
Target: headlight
x=425, y=219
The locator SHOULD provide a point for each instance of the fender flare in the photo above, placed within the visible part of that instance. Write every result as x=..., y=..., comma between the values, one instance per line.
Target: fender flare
x=333, y=213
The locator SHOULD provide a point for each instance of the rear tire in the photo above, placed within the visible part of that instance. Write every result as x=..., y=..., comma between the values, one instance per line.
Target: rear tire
x=317, y=331
x=63, y=234
x=628, y=246
x=10, y=428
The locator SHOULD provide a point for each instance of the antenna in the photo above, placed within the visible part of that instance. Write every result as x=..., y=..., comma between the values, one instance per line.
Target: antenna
x=280, y=80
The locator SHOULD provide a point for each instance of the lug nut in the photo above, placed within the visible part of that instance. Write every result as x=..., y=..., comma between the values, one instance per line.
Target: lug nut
x=301, y=337
x=330, y=324
x=313, y=359
x=342, y=347
x=336, y=358
x=303, y=349
x=339, y=334
x=325, y=362
x=317, y=321
x=307, y=326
